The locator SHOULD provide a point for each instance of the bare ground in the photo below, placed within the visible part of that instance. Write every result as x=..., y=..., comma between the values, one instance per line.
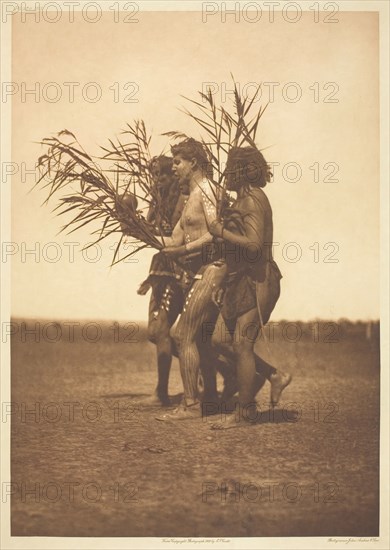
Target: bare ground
x=110, y=469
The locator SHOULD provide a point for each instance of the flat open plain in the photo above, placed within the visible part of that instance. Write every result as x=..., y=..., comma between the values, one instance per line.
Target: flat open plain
x=89, y=460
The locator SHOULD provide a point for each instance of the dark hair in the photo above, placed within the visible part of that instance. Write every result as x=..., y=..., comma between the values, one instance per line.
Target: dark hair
x=165, y=163
x=190, y=149
x=251, y=164
x=170, y=196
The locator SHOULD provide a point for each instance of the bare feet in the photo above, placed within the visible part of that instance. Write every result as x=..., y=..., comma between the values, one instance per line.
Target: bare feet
x=182, y=412
x=241, y=416
x=231, y=421
x=279, y=381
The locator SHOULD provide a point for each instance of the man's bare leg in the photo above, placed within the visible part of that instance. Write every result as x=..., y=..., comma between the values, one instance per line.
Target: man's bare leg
x=208, y=368
x=251, y=369
x=164, y=361
x=223, y=342
x=243, y=343
x=160, y=321
x=198, y=309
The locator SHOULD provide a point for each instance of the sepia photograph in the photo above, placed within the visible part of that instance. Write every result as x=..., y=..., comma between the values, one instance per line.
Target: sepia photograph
x=194, y=274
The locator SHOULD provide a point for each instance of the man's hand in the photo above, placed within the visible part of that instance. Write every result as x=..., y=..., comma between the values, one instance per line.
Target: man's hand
x=217, y=297
x=174, y=252
x=216, y=228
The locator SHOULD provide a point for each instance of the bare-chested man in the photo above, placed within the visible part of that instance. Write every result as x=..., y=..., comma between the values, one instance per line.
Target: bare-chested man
x=191, y=239
x=169, y=281
x=166, y=301
x=253, y=281
x=188, y=244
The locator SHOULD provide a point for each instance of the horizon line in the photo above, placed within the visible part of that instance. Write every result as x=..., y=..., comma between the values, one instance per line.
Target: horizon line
x=145, y=321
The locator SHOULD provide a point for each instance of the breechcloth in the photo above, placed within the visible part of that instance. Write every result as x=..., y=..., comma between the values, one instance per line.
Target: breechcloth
x=167, y=296
x=244, y=293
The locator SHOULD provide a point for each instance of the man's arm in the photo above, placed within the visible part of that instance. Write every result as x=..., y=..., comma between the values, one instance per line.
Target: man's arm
x=254, y=225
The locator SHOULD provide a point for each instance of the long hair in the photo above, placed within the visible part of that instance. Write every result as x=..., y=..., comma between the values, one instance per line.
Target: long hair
x=251, y=165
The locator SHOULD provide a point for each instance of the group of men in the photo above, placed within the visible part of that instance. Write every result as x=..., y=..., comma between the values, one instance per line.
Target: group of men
x=216, y=273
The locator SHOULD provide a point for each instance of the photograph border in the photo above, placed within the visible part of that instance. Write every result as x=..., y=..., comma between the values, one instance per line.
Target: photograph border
x=9, y=542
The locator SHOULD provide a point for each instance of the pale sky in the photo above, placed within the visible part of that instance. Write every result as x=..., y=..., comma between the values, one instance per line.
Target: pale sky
x=172, y=54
